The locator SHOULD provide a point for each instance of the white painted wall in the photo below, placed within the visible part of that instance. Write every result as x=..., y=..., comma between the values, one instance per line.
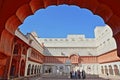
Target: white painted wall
x=78, y=44
x=21, y=36
x=104, y=40
x=93, y=68
x=35, y=44
x=74, y=44
x=67, y=51
x=30, y=36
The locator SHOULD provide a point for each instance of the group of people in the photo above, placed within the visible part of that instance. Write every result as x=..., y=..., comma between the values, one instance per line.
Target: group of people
x=77, y=74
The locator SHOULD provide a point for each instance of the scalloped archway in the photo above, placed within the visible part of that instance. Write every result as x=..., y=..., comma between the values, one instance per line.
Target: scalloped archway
x=13, y=13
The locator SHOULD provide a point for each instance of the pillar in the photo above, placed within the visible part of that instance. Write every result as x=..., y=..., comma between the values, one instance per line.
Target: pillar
x=7, y=68
x=6, y=48
x=26, y=66
x=118, y=68
x=103, y=69
x=113, y=69
x=108, y=69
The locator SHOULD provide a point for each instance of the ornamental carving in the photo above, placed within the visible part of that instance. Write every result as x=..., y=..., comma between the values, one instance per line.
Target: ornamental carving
x=74, y=59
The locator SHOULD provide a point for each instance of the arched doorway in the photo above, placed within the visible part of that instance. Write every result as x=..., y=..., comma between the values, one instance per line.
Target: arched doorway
x=116, y=70
x=102, y=70
x=29, y=69
x=12, y=70
x=39, y=69
x=35, y=71
x=106, y=70
x=32, y=70
x=110, y=70
x=22, y=68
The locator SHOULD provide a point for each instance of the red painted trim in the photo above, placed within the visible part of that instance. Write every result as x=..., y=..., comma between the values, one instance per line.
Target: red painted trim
x=109, y=61
x=34, y=60
x=54, y=62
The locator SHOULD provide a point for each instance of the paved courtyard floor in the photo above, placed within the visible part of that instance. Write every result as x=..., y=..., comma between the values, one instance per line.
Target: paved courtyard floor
x=63, y=77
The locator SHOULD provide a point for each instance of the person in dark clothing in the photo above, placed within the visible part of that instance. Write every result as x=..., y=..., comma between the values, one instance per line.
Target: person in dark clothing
x=79, y=74
x=76, y=76
x=83, y=74
x=49, y=70
x=71, y=74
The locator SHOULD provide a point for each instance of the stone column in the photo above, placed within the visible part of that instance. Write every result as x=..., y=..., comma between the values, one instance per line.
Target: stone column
x=6, y=48
x=26, y=66
x=113, y=69
x=108, y=69
x=8, y=68
x=118, y=67
x=103, y=69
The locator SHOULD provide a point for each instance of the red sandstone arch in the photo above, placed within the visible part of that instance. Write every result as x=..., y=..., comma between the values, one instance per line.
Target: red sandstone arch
x=13, y=13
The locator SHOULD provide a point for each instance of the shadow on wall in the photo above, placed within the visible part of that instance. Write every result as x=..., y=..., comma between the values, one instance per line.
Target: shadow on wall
x=47, y=52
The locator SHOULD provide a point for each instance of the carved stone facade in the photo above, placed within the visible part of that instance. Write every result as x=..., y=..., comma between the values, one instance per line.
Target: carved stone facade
x=14, y=13
x=31, y=56
x=80, y=52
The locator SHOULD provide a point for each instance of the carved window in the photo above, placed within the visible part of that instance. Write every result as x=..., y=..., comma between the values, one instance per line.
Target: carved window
x=24, y=51
x=16, y=49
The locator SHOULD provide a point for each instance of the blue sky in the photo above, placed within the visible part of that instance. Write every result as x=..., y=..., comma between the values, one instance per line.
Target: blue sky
x=59, y=21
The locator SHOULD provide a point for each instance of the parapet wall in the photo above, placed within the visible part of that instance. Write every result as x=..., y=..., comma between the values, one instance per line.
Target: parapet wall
x=103, y=41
